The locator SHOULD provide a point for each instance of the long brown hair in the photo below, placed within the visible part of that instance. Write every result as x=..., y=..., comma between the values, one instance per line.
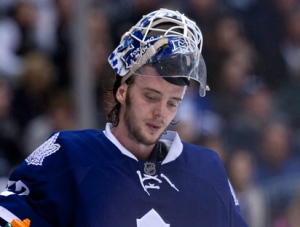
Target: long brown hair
x=111, y=103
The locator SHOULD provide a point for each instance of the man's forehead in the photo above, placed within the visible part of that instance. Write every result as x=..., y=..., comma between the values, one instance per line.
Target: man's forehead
x=157, y=70
x=159, y=85
x=149, y=80
x=147, y=70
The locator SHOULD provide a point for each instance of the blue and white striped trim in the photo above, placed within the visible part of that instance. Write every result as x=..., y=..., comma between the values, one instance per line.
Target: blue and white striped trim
x=236, y=201
x=7, y=215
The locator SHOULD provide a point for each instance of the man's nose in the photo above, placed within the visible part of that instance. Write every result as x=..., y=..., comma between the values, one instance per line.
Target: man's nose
x=160, y=109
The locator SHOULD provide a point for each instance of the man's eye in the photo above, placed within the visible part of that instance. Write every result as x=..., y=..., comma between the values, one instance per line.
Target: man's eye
x=173, y=104
x=151, y=98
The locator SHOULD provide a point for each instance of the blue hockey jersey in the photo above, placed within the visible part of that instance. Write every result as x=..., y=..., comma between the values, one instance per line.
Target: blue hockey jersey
x=87, y=178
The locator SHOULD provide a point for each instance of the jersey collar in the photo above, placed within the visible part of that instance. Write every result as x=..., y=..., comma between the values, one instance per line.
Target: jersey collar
x=170, y=138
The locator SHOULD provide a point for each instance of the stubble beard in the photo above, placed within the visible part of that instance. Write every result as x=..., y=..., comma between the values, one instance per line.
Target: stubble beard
x=134, y=129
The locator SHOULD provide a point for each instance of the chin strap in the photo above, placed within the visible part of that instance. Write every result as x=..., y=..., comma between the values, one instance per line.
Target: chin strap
x=159, y=152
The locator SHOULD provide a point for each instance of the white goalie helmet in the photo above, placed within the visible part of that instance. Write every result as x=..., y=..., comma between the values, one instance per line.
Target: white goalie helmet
x=166, y=40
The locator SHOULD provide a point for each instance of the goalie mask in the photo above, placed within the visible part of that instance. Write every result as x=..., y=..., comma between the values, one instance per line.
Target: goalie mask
x=167, y=41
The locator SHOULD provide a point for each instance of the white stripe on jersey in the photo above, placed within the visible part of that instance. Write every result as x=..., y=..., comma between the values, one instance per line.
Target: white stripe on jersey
x=7, y=215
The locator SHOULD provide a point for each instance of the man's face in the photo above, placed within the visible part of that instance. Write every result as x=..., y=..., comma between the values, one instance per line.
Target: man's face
x=150, y=105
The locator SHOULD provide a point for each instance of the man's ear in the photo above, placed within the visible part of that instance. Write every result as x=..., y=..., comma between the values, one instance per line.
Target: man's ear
x=121, y=93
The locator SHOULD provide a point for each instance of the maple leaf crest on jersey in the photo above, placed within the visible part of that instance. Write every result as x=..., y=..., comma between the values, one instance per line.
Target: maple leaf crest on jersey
x=47, y=148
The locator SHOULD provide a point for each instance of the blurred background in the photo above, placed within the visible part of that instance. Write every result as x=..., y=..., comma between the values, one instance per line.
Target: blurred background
x=54, y=75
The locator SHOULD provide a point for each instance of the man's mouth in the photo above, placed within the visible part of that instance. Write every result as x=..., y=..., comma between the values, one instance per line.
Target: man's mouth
x=154, y=127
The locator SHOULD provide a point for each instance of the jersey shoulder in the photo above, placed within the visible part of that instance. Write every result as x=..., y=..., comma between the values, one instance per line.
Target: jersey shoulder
x=205, y=163
x=200, y=153
x=66, y=149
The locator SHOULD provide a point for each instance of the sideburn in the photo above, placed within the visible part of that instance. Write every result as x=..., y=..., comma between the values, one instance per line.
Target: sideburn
x=127, y=98
x=129, y=82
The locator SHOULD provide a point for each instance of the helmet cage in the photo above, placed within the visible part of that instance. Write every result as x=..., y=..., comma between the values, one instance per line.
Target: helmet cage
x=165, y=39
